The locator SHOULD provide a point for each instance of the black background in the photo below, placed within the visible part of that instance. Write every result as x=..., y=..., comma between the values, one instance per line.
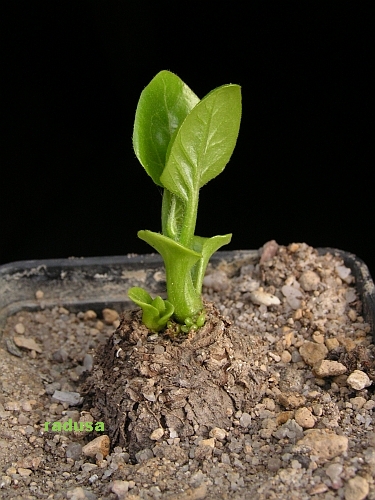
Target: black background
x=73, y=72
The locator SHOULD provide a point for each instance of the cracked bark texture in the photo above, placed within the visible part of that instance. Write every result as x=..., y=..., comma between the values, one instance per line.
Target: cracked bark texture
x=187, y=384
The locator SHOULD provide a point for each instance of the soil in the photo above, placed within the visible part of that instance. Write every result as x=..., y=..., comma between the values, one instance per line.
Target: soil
x=272, y=399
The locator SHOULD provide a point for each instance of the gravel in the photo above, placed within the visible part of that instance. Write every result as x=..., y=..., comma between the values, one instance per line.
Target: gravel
x=311, y=436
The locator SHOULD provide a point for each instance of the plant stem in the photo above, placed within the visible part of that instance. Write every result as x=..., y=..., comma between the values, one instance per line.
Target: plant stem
x=190, y=220
x=181, y=292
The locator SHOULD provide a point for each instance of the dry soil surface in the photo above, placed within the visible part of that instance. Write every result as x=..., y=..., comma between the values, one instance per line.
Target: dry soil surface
x=310, y=435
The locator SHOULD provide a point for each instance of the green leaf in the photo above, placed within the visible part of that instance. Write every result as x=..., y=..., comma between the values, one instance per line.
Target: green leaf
x=139, y=296
x=162, y=107
x=155, y=313
x=178, y=261
x=206, y=247
x=204, y=142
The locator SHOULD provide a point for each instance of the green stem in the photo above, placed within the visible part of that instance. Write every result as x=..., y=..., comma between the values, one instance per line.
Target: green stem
x=181, y=292
x=178, y=261
x=166, y=215
x=190, y=220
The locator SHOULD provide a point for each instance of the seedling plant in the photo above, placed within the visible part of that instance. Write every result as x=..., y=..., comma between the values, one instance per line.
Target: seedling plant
x=182, y=143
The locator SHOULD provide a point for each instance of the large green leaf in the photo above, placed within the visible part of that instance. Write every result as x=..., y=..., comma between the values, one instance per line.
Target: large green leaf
x=204, y=142
x=162, y=107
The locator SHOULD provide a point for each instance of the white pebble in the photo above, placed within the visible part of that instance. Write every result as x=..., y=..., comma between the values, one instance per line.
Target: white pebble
x=358, y=380
x=293, y=296
x=342, y=271
x=264, y=298
x=19, y=328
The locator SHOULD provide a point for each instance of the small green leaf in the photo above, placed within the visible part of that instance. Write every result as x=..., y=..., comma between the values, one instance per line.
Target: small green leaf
x=162, y=107
x=159, y=304
x=155, y=313
x=204, y=142
x=139, y=296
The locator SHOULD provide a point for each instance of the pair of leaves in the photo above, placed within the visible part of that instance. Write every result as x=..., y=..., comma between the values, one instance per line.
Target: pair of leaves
x=182, y=142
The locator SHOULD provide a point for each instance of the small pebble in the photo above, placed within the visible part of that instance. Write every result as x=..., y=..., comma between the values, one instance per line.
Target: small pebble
x=284, y=416
x=89, y=315
x=318, y=488
x=71, y=398
x=27, y=405
x=27, y=343
x=309, y=281
x=110, y=316
x=293, y=296
x=369, y=405
x=12, y=348
x=245, y=420
x=208, y=442
x=22, y=419
x=5, y=481
x=24, y=472
x=74, y=451
x=358, y=402
x=100, y=444
x=312, y=352
x=60, y=355
x=325, y=444
x=268, y=251
x=327, y=368
x=79, y=493
x=343, y=271
x=19, y=328
x=144, y=455
x=305, y=418
x=357, y=488
x=291, y=399
x=120, y=488
x=334, y=471
x=263, y=298
x=88, y=467
x=157, y=434
x=290, y=430
x=332, y=343
x=12, y=406
x=286, y=357
x=274, y=464
x=88, y=362
x=218, y=433
x=358, y=380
